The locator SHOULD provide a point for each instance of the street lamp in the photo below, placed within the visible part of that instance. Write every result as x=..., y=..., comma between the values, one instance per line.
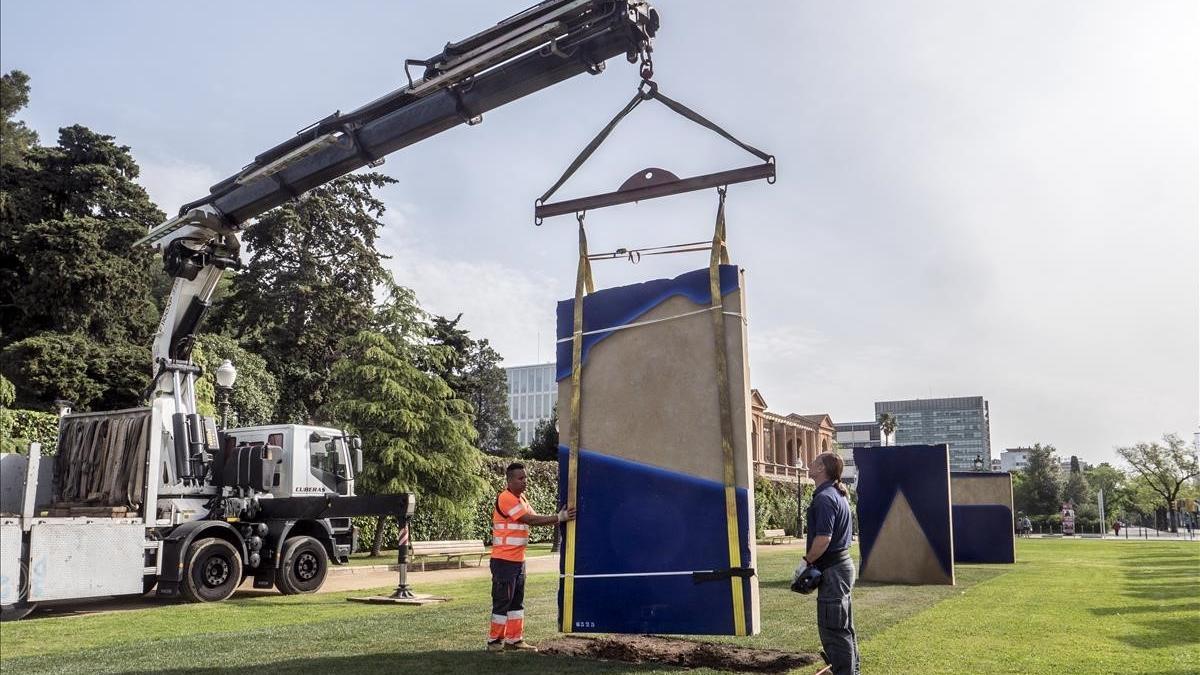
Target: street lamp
x=225, y=374
x=64, y=406
x=978, y=463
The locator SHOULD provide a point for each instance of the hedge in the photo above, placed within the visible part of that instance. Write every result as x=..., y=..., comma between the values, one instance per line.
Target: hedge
x=541, y=490
x=776, y=507
x=19, y=428
x=1053, y=523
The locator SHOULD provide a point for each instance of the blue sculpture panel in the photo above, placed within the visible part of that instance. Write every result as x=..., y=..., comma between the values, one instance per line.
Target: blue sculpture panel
x=642, y=533
x=904, y=515
x=983, y=533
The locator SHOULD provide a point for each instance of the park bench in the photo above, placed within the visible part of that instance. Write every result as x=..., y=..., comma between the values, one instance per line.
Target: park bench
x=447, y=551
x=776, y=537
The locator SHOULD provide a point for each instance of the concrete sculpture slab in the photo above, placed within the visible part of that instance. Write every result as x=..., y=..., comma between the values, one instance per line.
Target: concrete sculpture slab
x=904, y=516
x=652, y=551
x=982, y=504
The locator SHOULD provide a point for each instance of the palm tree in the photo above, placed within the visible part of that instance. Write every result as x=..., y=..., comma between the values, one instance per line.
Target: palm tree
x=887, y=425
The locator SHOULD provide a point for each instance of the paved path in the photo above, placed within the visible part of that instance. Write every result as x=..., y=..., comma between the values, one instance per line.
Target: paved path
x=1130, y=534
x=340, y=579
x=352, y=578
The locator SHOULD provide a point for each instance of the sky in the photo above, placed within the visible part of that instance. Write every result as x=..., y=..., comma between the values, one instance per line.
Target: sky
x=974, y=198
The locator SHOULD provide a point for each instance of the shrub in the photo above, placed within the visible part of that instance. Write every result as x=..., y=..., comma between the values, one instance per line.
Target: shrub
x=19, y=428
x=430, y=525
x=776, y=505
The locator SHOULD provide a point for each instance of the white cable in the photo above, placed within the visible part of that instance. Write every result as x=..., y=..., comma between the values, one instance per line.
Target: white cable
x=647, y=323
x=632, y=574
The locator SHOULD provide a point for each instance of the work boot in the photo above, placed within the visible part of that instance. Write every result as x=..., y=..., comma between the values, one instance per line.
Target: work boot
x=495, y=646
x=520, y=646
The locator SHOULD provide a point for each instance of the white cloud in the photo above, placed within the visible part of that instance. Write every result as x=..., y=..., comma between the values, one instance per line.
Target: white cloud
x=511, y=307
x=174, y=182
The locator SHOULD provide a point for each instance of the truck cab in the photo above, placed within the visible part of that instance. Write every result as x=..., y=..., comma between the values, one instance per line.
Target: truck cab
x=311, y=460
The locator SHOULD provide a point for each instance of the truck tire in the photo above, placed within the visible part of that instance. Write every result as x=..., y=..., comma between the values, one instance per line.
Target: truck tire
x=212, y=571
x=303, y=566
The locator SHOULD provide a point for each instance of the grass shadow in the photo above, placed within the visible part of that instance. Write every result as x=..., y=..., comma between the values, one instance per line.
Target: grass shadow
x=1145, y=609
x=1181, y=632
x=1160, y=591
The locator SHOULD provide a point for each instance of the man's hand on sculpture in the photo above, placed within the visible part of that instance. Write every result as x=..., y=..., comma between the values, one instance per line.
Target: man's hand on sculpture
x=565, y=515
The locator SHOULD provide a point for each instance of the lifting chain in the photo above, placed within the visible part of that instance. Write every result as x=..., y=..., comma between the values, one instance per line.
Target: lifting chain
x=647, y=69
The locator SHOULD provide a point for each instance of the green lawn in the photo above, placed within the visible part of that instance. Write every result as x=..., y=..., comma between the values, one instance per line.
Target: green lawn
x=1065, y=607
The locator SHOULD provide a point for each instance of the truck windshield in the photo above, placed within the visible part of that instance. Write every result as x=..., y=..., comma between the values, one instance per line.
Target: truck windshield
x=329, y=462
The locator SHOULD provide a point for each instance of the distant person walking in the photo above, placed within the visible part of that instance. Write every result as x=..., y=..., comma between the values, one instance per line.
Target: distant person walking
x=828, y=546
x=1116, y=528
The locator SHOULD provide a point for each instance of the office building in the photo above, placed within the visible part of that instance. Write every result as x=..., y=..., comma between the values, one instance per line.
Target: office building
x=858, y=434
x=960, y=422
x=532, y=395
x=1014, y=459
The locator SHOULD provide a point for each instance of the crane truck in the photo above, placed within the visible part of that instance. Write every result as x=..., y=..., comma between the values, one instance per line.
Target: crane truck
x=163, y=498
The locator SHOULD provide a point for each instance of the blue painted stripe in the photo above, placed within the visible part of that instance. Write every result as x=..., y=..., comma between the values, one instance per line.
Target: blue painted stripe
x=613, y=307
x=637, y=518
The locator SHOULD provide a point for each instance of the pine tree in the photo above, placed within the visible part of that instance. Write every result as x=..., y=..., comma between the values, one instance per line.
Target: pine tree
x=544, y=445
x=417, y=436
x=310, y=283
x=473, y=371
x=1042, y=481
x=77, y=302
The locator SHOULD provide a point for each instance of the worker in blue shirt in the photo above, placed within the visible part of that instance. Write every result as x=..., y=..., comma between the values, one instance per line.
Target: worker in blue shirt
x=828, y=549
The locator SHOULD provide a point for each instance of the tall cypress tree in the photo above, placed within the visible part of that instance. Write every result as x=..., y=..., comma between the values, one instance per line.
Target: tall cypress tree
x=417, y=435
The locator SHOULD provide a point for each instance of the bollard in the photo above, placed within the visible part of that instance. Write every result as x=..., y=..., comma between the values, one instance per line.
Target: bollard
x=402, y=590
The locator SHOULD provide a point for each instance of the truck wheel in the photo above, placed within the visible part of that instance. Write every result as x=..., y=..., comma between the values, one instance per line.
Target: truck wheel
x=212, y=571
x=302, y=566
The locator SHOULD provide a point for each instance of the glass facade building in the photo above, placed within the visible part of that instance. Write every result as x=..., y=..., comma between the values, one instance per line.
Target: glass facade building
x=961, y=422
x=857, y=434
x=532, y=395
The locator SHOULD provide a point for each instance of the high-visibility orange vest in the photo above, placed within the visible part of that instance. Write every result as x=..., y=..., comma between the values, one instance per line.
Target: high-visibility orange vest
x=509, y=535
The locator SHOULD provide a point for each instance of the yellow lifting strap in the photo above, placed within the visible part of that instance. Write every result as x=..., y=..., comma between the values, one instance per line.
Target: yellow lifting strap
x=583, y=286
x=718, y=257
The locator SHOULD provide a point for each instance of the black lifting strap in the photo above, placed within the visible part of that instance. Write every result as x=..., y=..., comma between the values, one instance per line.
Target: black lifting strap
x=718, y=575
x=646, y=91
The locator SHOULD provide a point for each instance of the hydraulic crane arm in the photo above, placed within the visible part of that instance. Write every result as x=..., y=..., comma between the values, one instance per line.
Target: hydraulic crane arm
x=543, y=45
x=546, y=44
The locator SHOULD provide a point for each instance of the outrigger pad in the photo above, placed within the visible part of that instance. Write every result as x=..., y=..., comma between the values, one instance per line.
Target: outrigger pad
x=652, y=549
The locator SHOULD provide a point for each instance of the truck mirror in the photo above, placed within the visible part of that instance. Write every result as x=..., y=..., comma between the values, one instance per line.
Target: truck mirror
x=358, y=459
x=356, y=442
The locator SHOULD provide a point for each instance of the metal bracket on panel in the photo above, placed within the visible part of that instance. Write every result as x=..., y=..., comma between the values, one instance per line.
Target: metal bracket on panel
x=719, y=575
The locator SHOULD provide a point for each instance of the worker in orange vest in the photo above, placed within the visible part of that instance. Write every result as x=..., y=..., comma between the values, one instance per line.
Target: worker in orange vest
x=511, y=518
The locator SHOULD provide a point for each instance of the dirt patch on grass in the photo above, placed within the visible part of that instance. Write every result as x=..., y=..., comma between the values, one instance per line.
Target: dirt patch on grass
x=676, y=652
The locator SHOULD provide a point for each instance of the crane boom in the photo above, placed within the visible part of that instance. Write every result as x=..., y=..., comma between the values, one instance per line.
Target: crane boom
x=546, y=44
x=534, y=49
